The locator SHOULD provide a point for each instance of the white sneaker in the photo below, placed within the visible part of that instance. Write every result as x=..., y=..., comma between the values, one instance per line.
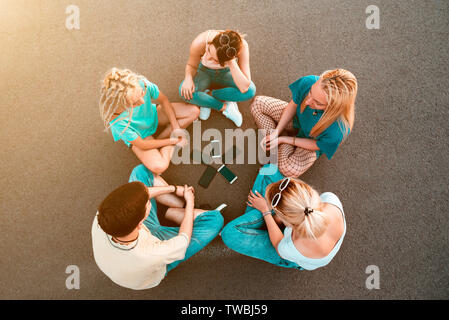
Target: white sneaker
x=221, y=207
x=204, y=113
x=232, y=113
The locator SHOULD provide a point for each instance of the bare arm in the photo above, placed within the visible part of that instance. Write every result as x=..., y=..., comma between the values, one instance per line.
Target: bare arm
x=274, y=232
x=187, y=223
x=240, y=71
x=169, y=110
x=151, y=143
x=256, y=200
x=308, y=144
x=157, y=191
x=197, y=49
x=287, y=115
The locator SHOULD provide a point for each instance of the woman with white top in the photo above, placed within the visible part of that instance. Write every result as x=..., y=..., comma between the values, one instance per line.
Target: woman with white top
x=218, y=57
x=314, y=224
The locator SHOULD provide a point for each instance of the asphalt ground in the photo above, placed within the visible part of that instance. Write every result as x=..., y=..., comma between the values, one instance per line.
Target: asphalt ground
x=391, y=174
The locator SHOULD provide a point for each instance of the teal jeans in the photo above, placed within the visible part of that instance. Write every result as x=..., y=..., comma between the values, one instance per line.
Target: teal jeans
x=205, y=77
x=248, y=235
x=206, y=226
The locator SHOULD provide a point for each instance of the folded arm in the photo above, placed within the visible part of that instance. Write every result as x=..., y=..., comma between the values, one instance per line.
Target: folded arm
x=308, y=144
x=240, y=70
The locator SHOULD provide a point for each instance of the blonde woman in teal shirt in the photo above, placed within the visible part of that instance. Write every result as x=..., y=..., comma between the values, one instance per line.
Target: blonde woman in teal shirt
x=132, y=108
x=315, y=122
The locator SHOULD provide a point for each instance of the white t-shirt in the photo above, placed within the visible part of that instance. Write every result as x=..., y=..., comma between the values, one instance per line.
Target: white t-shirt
x=142, y=263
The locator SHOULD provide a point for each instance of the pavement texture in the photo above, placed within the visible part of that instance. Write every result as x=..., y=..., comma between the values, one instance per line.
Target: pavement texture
x=391, y=174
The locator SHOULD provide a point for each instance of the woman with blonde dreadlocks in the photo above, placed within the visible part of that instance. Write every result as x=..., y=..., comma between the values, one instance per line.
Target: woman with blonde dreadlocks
x=132, y=108
x=316, y=120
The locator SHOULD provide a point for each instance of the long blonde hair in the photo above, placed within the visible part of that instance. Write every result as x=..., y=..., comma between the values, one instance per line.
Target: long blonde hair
x=115, y=85
x=291, y=208
x=340, y=87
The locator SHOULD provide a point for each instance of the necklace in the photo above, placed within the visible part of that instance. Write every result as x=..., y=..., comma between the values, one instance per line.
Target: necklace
x=123, y=241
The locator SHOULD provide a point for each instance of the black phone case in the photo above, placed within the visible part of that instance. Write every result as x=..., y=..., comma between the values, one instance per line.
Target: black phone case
x=207, y=176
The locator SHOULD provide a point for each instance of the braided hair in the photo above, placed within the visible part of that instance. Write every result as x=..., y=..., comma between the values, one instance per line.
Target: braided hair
x=115, y=86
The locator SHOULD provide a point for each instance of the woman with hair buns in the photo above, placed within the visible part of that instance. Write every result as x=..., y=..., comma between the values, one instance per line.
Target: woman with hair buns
x=219, y=57
x=314, y=224
x=316, y=120
x=132, y=108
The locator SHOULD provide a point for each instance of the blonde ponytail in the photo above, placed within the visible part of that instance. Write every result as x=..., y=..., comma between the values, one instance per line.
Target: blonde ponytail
x=299, y=208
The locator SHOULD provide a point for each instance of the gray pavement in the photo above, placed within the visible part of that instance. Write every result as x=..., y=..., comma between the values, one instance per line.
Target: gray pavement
x=391, y=174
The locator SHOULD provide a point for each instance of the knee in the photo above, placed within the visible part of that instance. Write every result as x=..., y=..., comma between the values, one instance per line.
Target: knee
x=226, y=230
x=250, y=91
x=287, y=170
x=157, y=168
x=256, y=105
x=195, y=112
x=216, y=221
x=229, y=234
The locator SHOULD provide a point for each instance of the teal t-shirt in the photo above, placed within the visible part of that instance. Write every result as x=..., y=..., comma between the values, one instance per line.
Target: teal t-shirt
x=329, y=140
x=144, y=119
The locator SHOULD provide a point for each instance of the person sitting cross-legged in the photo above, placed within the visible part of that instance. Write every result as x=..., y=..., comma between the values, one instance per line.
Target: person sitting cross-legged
x=287, y=223
x=129, y=244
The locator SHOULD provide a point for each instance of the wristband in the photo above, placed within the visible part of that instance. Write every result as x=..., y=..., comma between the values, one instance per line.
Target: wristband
x=266, y=213
x=192, y=66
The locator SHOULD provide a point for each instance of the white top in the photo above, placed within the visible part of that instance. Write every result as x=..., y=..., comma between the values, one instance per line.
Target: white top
x=288, y=251
x=142, y=263
x=206, y=59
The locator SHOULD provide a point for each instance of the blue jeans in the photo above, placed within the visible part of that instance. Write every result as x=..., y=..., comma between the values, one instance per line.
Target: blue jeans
x=206, y=226
x=248, y=235
x=222, y=77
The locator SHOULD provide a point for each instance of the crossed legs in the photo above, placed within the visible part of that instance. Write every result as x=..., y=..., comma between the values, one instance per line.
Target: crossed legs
x=175, y=203
x=292, y=161
x=158, y=160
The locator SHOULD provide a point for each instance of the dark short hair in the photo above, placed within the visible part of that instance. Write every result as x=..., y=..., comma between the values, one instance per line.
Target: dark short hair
x=235, y=41
x=123, y=209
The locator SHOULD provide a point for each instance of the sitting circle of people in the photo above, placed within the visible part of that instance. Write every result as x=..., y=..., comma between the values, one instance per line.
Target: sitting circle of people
x=286, y=222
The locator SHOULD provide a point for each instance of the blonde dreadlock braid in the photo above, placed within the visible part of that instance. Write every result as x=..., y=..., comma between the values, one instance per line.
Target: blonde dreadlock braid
x=115, y=86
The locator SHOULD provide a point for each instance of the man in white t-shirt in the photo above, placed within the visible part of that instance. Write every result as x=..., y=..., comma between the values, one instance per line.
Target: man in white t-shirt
x=129, y=244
